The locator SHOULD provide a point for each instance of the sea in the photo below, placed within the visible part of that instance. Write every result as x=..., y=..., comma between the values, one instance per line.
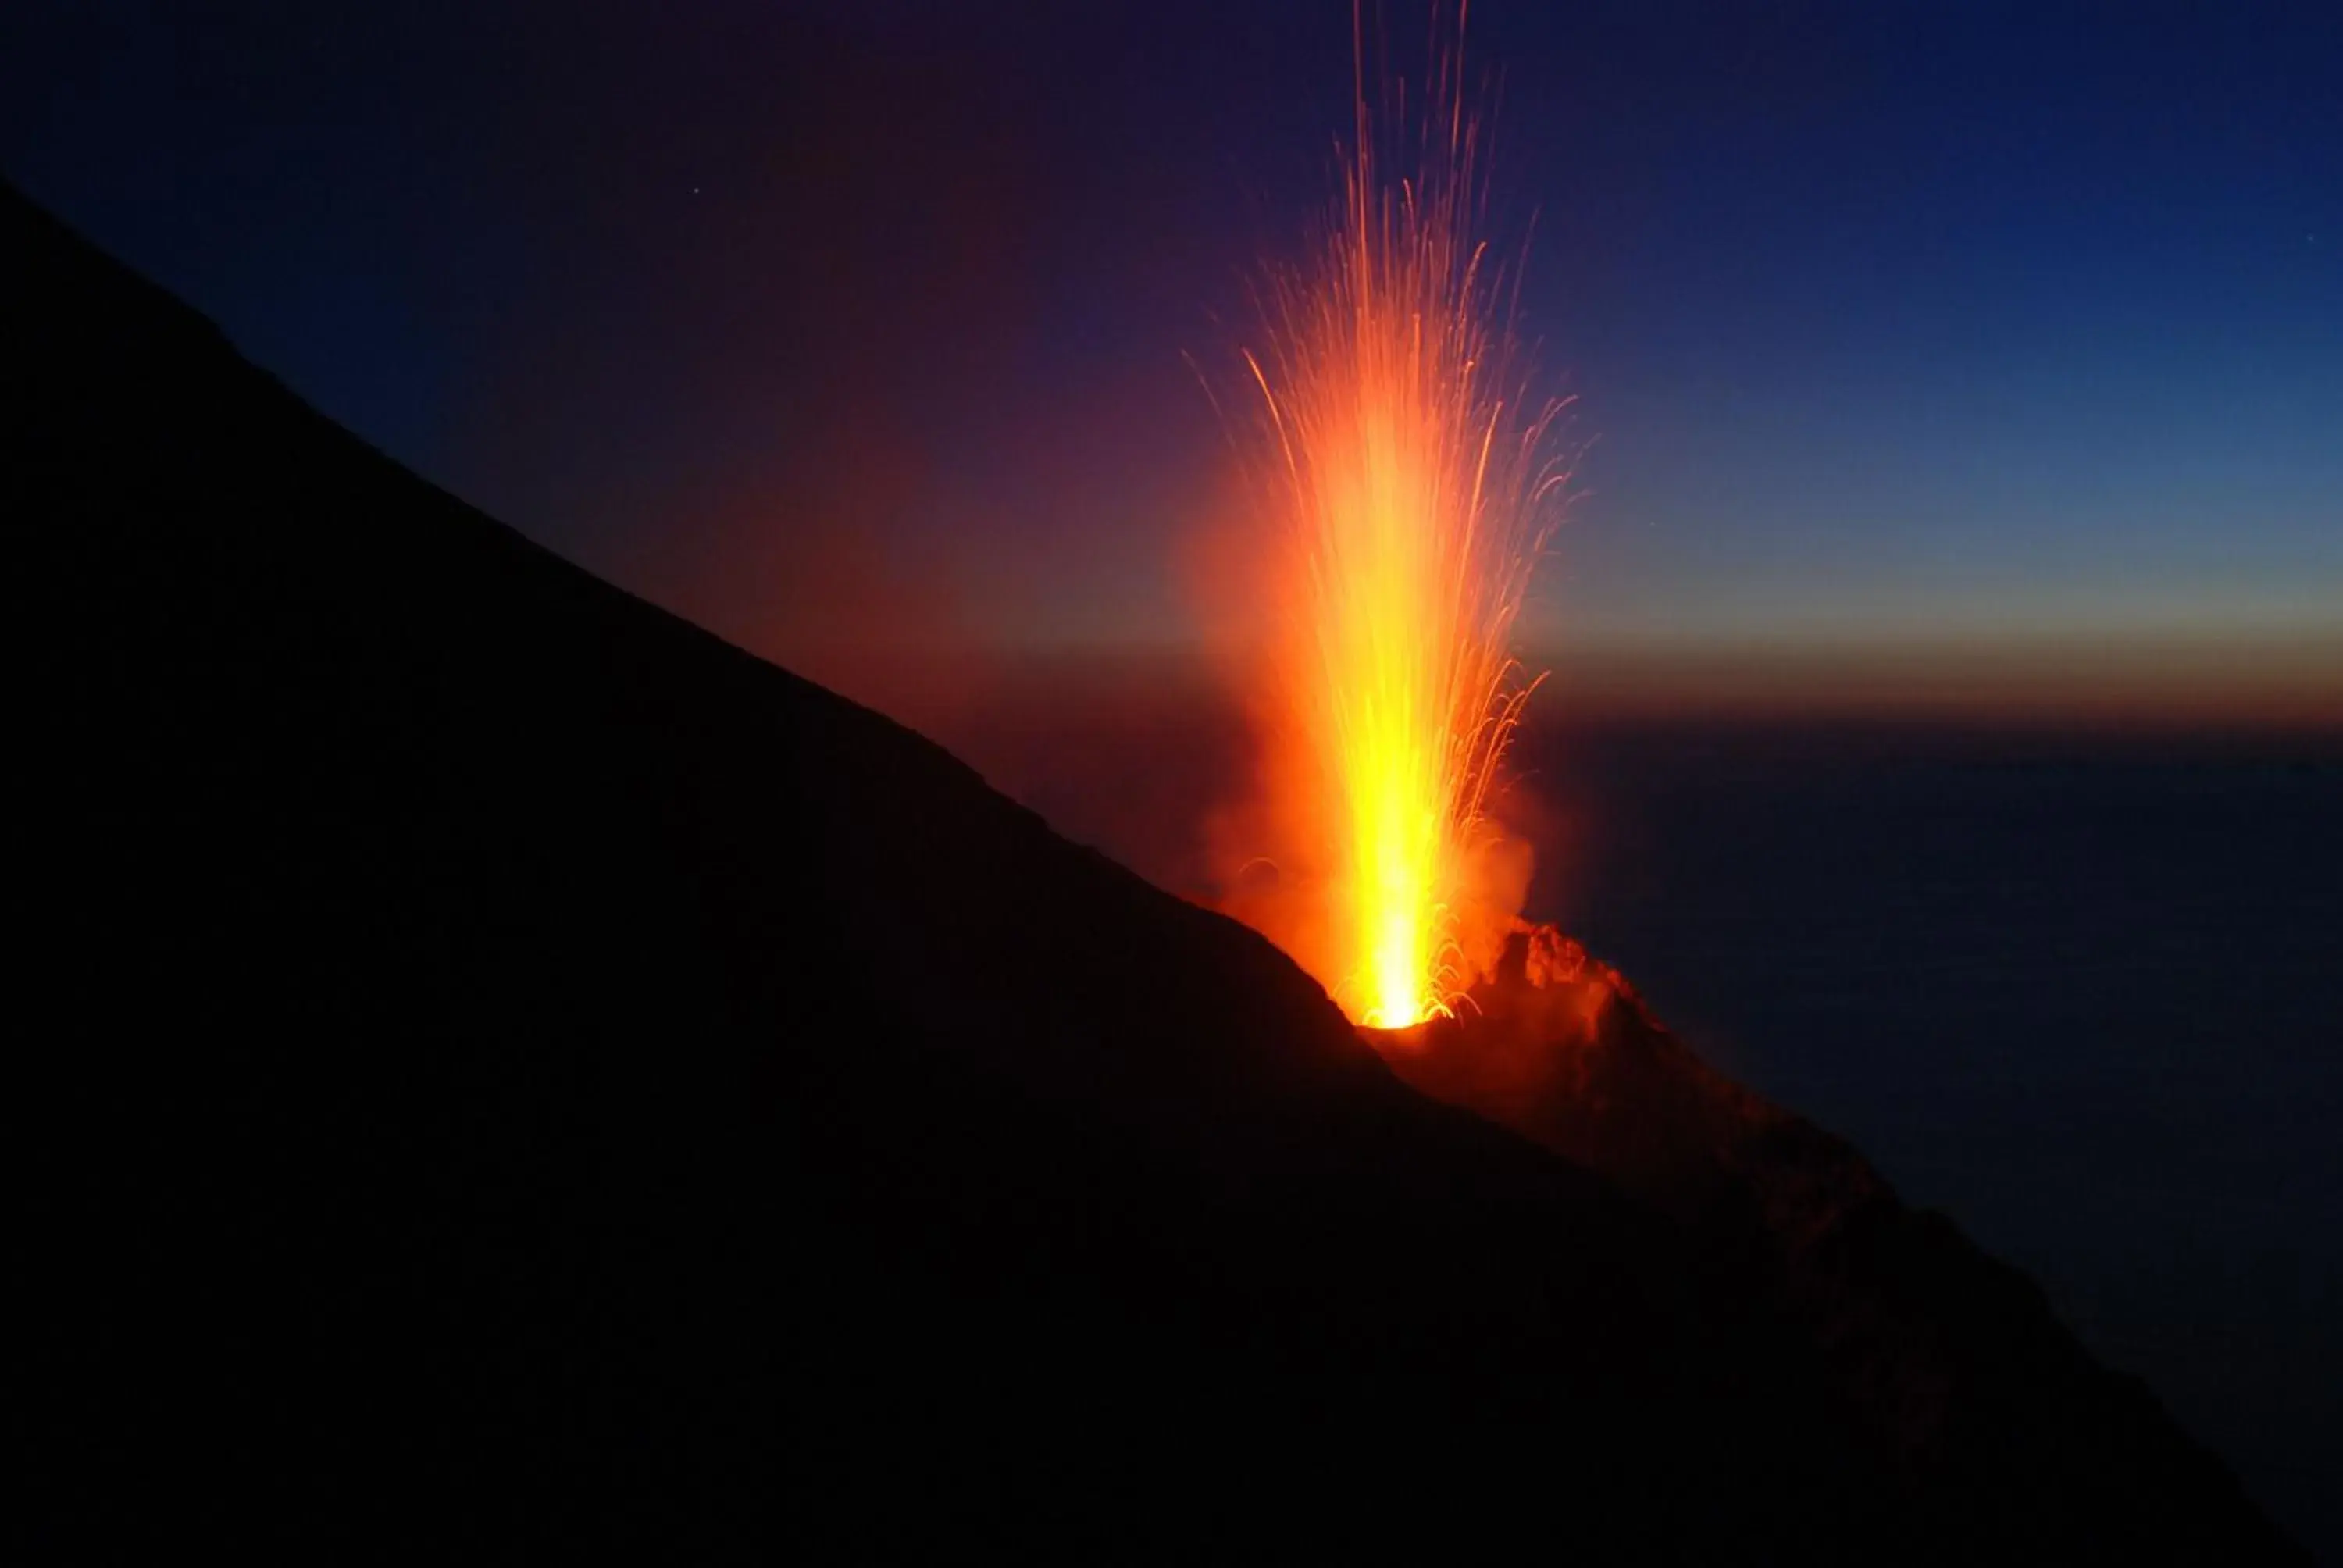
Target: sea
x=2078, y=988
x=2080, y=991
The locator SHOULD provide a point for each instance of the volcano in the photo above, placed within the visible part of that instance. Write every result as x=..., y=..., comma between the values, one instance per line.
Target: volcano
x=513, y=1067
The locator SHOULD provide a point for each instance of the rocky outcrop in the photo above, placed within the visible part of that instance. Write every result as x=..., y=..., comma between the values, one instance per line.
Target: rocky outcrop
x=1950, y=1365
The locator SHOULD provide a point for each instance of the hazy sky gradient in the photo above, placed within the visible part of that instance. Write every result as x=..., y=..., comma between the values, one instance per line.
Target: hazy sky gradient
x=1928, y=328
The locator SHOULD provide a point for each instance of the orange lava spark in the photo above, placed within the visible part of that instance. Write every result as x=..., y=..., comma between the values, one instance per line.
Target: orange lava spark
x=1408, y=491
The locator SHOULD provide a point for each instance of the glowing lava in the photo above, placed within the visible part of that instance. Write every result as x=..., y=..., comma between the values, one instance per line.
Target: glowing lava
x=1408, y=493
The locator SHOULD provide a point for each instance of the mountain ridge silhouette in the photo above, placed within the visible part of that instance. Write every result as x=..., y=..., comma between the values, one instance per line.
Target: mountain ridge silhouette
x=523, y=1065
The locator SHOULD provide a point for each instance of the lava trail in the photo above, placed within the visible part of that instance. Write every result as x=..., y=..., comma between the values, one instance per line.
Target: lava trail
x=1404, y=484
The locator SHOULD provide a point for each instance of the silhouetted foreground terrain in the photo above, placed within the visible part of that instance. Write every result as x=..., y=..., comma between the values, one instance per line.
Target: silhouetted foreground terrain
x=527, y=1066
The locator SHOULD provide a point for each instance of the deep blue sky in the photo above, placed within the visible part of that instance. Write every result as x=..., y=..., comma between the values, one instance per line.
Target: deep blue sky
x=1924, y=330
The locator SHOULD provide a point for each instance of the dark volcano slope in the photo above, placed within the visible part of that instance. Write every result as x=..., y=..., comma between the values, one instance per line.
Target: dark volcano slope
x=522, y=1063
x=1949, y=1364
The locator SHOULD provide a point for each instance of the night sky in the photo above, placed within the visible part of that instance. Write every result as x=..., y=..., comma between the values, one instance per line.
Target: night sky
x=1953, y=348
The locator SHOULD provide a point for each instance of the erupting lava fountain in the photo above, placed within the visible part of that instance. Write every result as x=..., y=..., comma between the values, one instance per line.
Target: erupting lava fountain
x=1404, y=487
